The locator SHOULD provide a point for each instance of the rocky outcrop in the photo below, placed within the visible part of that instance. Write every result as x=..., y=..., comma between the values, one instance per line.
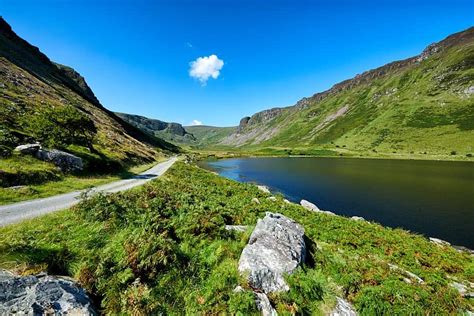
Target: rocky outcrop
x=42, y=295
x=275, y=248
x=65, y=161
x=28, y=149
x=243, y=123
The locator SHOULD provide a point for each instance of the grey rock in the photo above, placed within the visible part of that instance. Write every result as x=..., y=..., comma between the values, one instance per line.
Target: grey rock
x=357, y=218
x=264, y=305
x=263, y=188
x=238, y=289
x=312, y=207
x=286, y=201
x=469, y=90
x=275, y=248
x=256, y=201
x=463, y=249
x=309, y=206
x=464, y=290
x=237, y=228
x=272, y=198
x=439, y=241
x=42, y=294
x=28, y=149
x=65, y=161
x=406, y=273
x=343, y=308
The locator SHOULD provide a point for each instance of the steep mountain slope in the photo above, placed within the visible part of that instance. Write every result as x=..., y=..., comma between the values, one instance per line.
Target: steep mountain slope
x=420, y=105
x=39, y=98
x=172, y=132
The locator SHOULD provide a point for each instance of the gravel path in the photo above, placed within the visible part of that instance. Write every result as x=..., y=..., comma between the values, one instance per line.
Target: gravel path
x=17, y=212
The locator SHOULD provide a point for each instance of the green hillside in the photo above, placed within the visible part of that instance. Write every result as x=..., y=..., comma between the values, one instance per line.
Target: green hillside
x=199, y=136
x=163, y=249
x=421, y=106
x=52, y=104
x=209, y=135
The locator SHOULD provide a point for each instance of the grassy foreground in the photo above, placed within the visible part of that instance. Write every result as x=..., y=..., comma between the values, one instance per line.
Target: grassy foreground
x=45, y=180
x=163, y=248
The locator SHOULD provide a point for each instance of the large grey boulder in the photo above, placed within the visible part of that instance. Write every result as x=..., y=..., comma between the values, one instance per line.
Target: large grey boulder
x=28, y=149
x=275, y=248
x=42, y=295
x=65, y=161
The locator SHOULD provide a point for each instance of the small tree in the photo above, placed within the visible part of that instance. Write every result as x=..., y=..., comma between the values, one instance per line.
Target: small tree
x=62, y=126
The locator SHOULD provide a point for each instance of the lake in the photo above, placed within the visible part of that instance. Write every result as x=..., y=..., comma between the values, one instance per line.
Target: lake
x=429, y=197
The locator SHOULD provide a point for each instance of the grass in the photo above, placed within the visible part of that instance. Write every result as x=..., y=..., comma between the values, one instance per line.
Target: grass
x=162, y=248
x=61, y=183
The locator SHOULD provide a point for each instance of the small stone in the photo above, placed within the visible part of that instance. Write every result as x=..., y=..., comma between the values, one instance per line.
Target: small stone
x=256, y=201
x=309, y=206
x=238, y=289
x=237, y=228
x=357, y=218
x=286, y=201
x=439, y=241
x=272, y=198
x=407, y=273
x=263, y=188
x=343, y=308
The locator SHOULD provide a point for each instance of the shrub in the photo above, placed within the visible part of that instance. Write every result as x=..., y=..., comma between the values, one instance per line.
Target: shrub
x=61, y=126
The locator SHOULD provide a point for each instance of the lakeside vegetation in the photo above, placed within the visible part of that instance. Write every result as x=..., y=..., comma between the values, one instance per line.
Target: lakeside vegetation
x=163, y=248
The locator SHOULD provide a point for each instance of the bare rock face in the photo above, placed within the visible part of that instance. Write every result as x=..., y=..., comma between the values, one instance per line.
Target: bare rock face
x=275, y=248
x=65, y=161
x=42, y=295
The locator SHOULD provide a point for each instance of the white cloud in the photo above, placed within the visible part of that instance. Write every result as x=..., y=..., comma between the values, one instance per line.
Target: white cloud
x=189, y=45
x=195, y=122
x=204, y=67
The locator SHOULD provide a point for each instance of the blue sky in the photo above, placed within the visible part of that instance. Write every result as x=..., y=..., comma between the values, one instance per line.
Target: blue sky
x=136, y=55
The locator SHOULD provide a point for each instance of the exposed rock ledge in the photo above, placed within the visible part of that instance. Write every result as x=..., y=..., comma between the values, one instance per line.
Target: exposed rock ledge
x=42, y=295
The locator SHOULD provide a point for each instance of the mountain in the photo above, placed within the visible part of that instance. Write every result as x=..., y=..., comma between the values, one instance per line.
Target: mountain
x=196, y=136
x=51, y=103
x=421, y=105
x=208, y=136
x=172, y=132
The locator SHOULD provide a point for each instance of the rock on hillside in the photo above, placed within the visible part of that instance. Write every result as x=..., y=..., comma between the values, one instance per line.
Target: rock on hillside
x=275, y=248
x=42, y=295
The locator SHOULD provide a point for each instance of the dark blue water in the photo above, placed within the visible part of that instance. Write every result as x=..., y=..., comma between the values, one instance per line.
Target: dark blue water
x=429, y=197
